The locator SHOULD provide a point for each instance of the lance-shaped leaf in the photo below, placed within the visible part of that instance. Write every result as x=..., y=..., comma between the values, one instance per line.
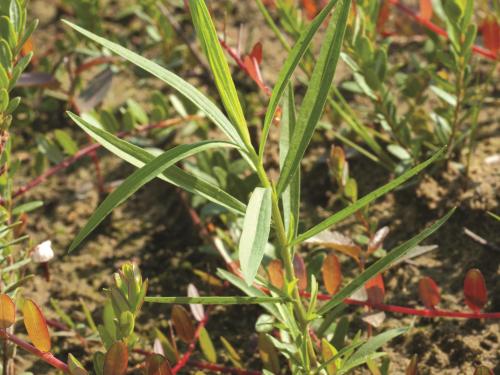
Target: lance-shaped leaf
x=207, y=35
x=382, y=264
x=75, y=367
x=139, y=178
x=255, y=234
x=377, y=240
x=207, y=346
x=7, y=311
x=183, y=87
x=291, y=63
x=139, y=157
x=233, y=354
x=314, y=100
x=328, y=352
x=36, y=326
x=367, y=199
x=156, y=364
x=332, y=274
x=182, y=323
x=116, y=359
x=475, y=292
x=299, y=268
x=429, y=292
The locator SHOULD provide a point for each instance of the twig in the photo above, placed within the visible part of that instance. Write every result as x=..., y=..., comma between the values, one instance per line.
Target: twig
x=480, y=240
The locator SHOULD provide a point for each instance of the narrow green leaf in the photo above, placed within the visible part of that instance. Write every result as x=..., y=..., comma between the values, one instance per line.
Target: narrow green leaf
x=139, y=178
x=214, y=300
x=318, y=90
x=289, y=67
x=382, y=264
x=174, y=175
x=182, y=86
x=291, y=195
x=360, y=203
x=207, y=35
x=255, y=234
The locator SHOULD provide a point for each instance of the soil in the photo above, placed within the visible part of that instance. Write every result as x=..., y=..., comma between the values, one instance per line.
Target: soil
x=155, y=231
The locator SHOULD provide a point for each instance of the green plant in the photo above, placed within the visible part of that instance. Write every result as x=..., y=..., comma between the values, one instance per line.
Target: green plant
x=272, y=204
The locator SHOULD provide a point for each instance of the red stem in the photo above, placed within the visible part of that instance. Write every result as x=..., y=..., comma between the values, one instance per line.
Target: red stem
x=223, y=369
x=192, y=346
x=46, y=357
x=436, y=29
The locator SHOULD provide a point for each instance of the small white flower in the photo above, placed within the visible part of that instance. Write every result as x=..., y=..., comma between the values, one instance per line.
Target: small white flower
x=43, y=252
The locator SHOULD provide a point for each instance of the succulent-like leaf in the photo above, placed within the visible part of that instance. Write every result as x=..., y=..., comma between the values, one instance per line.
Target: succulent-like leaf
x=268, y=354
x=7, y=311
x=207, y=346
x=332, y=274
x=116, y=359
x=275, y=271
x=375, y=289
x=429, y=292
x=182, y=323
x=475, y=292
x=196, y=309
x=36, y=326
x=483, y=370
x=412, y=368
x=75, y=367
x=300, y=271
x=156, y=364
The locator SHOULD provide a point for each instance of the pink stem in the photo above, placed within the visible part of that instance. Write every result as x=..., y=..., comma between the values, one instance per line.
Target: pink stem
x=46, y=357
x=192, y=346
x=436, y=29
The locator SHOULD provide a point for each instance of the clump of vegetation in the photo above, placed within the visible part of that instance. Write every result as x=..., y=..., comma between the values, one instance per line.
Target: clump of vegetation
x=249, y=209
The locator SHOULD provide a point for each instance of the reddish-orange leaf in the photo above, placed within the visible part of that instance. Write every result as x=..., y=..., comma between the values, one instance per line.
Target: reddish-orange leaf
x=426, y=9
x=116, y=359
x=256, y=52
x=475, y=292
x=383, y=16
x=483, y=370
x=310, y=8
x=36, y=326
x=490, y=29
x=182, y=323
x=300, y=271
x=332, y=274
x=157, y=364
x=7, y=311
x=375, y=290
x=412, y=368
x=428, y=292
x=275, y=271
x=27, y=47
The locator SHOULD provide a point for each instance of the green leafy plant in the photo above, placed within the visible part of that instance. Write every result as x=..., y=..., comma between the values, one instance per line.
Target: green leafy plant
x=273, y=205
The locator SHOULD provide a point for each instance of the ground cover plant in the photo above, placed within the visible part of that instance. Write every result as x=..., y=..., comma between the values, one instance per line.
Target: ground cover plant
x=317, y=292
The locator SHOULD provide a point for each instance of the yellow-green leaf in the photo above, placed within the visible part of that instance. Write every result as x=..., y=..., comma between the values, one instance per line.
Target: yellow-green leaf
x=7, y=311
x=207, y=346
x=35, y=324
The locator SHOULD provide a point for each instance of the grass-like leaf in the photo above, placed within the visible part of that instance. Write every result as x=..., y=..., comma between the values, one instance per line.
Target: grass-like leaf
x=207, y=35
x=255, y=234
x=291, y=63
x=383, y=264
x=318, y=90
x=360, y=203
x=183, y=87
x=139, y=178
x=215, y=300
x=174, y=175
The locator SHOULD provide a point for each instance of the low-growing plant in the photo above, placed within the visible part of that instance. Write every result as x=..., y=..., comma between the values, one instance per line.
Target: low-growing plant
x=272, y=204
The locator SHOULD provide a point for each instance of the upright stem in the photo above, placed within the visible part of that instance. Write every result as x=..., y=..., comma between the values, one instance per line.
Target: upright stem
x=286, y=257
